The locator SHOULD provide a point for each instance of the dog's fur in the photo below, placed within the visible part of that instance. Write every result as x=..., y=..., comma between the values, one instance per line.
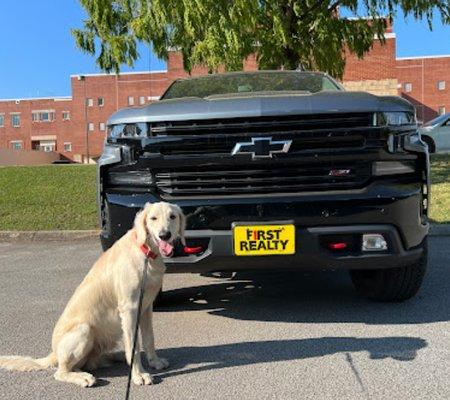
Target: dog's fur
x=103, y=309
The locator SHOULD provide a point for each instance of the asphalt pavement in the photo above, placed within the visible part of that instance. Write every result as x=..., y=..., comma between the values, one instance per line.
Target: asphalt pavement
x=253, y=335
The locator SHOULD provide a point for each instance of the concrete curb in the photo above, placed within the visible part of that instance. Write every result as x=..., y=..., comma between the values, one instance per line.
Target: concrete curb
x=440, y=230
x=60, y=236
x=47, y=236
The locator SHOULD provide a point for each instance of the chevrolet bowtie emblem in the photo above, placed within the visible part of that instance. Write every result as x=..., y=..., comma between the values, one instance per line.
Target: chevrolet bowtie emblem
x=262, y=147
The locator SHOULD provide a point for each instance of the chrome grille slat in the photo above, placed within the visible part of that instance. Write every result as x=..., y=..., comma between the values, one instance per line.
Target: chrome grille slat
x=269, y=172
x=264, y=124
x=243, y=180
x=254, y=190
x=230, y=182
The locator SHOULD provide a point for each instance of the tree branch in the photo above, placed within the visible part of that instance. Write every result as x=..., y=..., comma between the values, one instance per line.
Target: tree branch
x=313, y=8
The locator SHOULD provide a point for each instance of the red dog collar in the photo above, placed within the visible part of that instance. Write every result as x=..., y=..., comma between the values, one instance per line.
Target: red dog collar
x=148, y=252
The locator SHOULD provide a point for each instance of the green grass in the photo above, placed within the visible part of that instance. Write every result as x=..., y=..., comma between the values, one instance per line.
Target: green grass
x=48, y=197
x=63, y=196
x=440, y=189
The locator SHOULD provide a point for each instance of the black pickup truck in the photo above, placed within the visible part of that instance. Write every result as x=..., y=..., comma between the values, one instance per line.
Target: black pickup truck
x=277, y=170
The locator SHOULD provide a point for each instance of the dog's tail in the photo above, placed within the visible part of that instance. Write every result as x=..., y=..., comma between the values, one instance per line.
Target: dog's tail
x=18, y=363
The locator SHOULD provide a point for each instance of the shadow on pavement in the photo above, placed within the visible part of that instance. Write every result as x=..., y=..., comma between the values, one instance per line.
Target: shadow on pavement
x=248, y=353
x=325, y=297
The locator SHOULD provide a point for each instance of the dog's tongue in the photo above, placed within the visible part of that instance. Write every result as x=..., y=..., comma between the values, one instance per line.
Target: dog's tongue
x=165, y=248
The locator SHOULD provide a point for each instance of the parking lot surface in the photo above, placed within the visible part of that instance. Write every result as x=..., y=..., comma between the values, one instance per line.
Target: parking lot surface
x=277, y=335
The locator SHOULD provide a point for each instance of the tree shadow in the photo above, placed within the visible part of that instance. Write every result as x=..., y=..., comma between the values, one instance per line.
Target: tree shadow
x=326, y=297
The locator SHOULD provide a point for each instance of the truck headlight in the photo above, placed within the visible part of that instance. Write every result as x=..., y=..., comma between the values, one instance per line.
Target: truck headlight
x=128, y=131
x=395, y=118
x=397, y=143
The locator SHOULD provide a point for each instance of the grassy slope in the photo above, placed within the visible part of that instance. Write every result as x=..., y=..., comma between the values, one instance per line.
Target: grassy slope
x=440, y=190
x=48, y=197
x=63, y=196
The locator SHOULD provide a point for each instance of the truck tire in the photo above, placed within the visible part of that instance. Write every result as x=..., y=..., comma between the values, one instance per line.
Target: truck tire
x=392, y=285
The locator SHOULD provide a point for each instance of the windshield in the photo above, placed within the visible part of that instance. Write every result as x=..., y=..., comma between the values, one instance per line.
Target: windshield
x=438, y=120
x=235, y=83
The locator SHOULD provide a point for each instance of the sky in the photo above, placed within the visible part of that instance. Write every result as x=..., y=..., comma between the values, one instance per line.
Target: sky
x=38, y=53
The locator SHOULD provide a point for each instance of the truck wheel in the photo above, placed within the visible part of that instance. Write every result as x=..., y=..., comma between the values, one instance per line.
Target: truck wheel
x=430, y=143
x=392, y=285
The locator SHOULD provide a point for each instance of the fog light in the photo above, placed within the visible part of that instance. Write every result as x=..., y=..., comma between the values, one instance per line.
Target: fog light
x=373, y=242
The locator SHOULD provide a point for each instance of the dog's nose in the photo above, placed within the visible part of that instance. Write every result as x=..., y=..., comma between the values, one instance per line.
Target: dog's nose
x=165, y=235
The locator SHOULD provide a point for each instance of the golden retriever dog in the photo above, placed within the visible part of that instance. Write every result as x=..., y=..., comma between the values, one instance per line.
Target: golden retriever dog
x=103, y=309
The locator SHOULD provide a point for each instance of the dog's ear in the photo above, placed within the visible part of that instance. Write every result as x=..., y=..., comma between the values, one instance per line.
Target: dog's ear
x=182, y=225
x=140, y=225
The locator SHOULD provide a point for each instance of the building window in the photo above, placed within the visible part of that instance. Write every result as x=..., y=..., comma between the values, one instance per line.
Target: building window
x=441, y=110
x=2, y=120
x=130, y=100
x=91, y=126
x=47, y=146
x=142, y=100
x=101, y=126
x=408, y=87
x=89, y=102
x=43, y=116
x=441, y=85
x=67, y=147
x=66, y=115
x=15, y=120
x=100, y=101
x=16, y=144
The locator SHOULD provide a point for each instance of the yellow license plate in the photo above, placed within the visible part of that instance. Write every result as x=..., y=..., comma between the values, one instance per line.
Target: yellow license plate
x=264, y=240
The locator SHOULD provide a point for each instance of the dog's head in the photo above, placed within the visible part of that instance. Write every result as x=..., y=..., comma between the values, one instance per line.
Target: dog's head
x=161, y=223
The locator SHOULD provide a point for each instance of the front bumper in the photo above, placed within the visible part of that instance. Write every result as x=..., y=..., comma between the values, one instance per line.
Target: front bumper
x=310, y=252
x=390, y=208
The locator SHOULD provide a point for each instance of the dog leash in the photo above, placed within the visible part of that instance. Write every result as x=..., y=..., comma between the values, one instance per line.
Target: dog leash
x=149, y=254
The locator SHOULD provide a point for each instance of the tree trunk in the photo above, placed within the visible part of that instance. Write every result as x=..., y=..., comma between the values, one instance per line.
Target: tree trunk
x=290, y=59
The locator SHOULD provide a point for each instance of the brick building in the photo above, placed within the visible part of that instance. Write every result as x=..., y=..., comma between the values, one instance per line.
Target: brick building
x=75, y=126
x=425, y=81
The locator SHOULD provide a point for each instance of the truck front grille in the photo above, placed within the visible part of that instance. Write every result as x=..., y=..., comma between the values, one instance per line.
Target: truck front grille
x=290, y=123
x=267, y=179
x=309, y=133
x=306, y=142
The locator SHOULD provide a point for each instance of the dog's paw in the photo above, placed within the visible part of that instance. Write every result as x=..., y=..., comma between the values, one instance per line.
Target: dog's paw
x=83, y=379
x=158, y=363
x=87, y=380
x=142, y=378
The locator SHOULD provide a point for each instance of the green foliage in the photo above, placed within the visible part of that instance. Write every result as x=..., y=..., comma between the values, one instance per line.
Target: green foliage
x=223, y=33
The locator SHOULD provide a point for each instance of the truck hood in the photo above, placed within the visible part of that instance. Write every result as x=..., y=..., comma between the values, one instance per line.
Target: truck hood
x=251, y=105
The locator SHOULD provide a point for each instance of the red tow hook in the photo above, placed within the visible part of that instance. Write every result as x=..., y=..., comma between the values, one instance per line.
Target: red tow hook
x=337, y=246
x=192, y=250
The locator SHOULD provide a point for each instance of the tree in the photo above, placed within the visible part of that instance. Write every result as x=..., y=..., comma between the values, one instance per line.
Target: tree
x=289, y=34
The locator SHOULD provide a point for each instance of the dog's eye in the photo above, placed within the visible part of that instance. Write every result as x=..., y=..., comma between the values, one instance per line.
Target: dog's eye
x=172, y=216
x=153, y=218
